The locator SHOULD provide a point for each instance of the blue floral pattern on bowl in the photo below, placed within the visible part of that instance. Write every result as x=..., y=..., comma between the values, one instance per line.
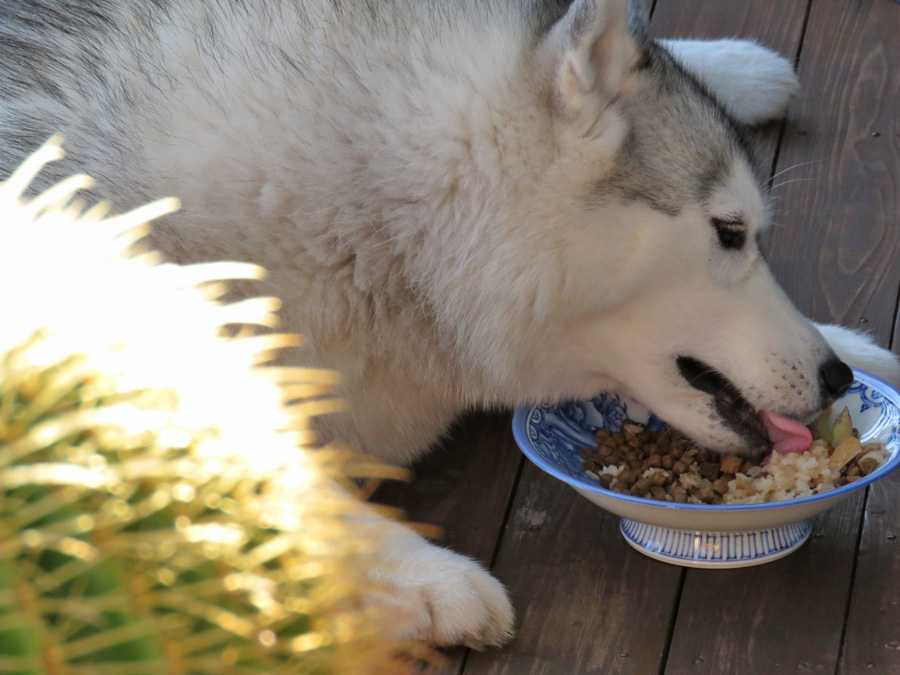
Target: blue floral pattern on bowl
x=715, y=549
x=558, y=432
x=551, y=436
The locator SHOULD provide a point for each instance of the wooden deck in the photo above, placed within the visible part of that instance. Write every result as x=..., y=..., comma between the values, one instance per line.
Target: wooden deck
x=588, y=603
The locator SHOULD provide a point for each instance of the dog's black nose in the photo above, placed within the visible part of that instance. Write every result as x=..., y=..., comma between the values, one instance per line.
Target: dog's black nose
x=836, y=377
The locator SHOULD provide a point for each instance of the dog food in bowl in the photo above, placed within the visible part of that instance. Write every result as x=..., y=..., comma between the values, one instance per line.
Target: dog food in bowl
x=668, y=466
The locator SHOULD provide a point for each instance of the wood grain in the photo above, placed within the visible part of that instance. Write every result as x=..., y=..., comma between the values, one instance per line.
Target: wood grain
x=837, y=214
x=782, y=617
x=855, y=126
x=777, y=25
x=587, y=602
x=872, y=637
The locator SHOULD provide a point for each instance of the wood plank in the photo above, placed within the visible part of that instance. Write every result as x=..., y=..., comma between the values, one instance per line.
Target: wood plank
x=837, y=231
x=463, y=486
x=777, y=25
x=872, y=638
x=587, y=603
x=782, y=617
x=863, y=59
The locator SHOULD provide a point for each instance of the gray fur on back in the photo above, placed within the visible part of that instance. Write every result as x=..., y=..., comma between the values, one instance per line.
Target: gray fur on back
x=56, y=54
x=59, y=52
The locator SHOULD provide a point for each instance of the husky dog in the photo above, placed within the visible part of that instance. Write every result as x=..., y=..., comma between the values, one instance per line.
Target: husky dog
x=461, y=203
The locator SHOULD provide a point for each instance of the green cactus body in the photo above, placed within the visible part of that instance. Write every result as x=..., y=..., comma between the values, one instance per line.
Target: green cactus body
x=148, y=527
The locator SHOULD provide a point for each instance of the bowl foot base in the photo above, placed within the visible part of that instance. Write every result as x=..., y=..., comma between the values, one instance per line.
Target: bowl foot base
x=715, y=550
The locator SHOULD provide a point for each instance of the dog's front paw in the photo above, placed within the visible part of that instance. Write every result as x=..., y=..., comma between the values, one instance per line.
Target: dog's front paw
x=442, y=597
x=753, y=83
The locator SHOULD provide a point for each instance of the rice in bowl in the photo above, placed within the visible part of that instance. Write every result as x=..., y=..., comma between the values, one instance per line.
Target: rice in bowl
x=666, y=466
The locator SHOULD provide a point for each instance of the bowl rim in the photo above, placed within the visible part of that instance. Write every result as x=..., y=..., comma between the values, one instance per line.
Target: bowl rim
x=520, y=418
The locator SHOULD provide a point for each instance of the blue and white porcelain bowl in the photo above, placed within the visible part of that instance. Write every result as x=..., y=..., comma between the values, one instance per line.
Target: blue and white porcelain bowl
x=700, y=535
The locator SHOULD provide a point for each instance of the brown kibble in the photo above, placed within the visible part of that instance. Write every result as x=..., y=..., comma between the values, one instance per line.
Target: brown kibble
x=709, y=470
x=642, y=486
x=721, y=485
x=706, y=494
x=677, y=470
x=626, y=478
x=867, y=465
x=659, y=478
x=730, y=464
x=680, y=467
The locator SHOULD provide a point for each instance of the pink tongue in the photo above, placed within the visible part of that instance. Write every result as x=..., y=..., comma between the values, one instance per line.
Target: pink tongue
x=787, y=435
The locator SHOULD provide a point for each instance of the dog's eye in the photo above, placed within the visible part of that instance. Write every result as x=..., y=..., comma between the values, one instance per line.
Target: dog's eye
x=732, y=232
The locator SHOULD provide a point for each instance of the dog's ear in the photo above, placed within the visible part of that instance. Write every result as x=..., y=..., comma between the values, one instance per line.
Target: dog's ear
x=592, y=50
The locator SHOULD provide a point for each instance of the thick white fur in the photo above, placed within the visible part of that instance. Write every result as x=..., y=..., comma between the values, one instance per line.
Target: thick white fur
x=754, y=83
x=427, y=211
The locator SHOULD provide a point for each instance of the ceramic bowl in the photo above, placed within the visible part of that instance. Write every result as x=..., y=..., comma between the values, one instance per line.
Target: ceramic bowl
x=700, y=535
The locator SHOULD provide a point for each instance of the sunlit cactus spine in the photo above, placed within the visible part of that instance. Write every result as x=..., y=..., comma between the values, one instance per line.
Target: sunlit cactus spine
x=163, y=508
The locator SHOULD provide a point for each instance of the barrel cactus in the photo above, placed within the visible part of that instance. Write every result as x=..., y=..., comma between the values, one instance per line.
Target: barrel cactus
x=163, y=505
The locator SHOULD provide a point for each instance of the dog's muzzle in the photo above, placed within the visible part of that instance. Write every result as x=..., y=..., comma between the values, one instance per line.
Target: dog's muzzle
x=835, y=378
x=732, y=407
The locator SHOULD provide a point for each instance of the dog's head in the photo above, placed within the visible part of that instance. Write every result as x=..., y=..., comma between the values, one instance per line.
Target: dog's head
x=656, y=214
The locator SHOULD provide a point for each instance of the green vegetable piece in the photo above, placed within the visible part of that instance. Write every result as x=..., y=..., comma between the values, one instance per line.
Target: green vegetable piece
x=842, y=427
x=823, y=428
